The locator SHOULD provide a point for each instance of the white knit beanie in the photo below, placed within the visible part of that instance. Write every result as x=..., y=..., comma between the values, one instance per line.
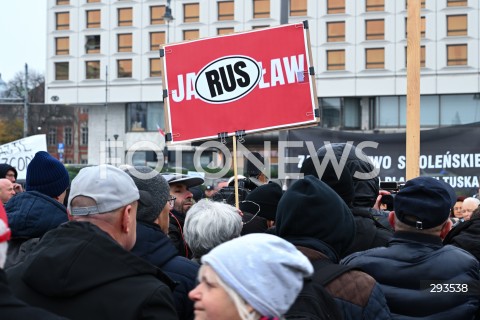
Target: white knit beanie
x=265, y=270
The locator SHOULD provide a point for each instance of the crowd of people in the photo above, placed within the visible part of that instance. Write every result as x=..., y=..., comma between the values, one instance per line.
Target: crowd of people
x=129, y=242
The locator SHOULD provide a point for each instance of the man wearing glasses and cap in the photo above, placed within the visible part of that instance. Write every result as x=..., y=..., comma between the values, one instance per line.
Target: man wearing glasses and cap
x=179, y=189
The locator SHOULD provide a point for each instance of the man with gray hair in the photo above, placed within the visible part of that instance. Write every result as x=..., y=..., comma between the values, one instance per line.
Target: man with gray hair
x=210, y=223
x=83, y=269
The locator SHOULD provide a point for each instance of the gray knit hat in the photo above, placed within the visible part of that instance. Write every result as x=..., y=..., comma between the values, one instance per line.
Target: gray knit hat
x=154, y=191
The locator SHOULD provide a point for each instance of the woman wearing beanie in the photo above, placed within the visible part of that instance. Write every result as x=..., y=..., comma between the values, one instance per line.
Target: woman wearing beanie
x=254, y=277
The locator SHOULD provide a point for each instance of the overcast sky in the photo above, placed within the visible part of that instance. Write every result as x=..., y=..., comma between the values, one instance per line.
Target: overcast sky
x=23, y=34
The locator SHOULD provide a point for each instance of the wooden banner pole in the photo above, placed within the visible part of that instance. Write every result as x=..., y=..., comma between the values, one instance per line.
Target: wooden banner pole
x=235, y=170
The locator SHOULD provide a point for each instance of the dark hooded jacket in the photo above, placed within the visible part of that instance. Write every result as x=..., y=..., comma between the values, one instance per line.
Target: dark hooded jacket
x=30, y=215
x=175, y=233
x=155, y=247
x=316, y=220
x=466, y=235
x=4, y=168
x=372, y=228
x=78, y=271
x=11, y=308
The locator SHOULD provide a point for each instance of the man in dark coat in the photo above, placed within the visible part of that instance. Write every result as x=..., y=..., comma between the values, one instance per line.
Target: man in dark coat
x=83, y=269
x=12, y=308
x=318, y=222
x=34, y=212
x=466, y=235
x=372, y=228
x=179, y=189
x=153, y=243
x=414, y=267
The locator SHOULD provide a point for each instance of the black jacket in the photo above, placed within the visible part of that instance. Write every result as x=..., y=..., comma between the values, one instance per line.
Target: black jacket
x=78, y=271
x=155, y=247
x=12, y=308
x=466, y=235
x=175, y=233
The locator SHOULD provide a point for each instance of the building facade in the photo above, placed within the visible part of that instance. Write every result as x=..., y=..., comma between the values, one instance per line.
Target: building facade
x=103, y=55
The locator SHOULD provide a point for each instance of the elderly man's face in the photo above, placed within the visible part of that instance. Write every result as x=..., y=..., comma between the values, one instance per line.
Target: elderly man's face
x=468, y=206
x=184, y=198
x=6, y=190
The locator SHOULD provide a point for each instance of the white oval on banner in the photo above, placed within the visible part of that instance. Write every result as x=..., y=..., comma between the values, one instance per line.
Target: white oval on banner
x=227, y=79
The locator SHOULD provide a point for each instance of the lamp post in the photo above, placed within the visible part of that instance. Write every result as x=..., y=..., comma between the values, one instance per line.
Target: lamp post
x=167, y=17
x=115, y=136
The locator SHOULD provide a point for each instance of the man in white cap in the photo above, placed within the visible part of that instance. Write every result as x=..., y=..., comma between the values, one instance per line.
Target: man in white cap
x=83, y=269
x=179, y=189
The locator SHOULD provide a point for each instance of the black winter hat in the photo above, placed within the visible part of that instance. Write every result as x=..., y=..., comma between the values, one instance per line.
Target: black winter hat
x=46, y=175
x=267, y=197
x=342, y=185
x=4, y=168
x=311, y=209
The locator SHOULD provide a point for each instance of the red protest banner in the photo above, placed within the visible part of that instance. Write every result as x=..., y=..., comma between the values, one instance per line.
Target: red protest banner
x=253, y=81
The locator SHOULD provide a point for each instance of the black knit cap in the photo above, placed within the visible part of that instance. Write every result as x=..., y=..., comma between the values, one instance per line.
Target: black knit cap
x=46, y=175
x=342, y=185
x=267, y=197
x=4, y=168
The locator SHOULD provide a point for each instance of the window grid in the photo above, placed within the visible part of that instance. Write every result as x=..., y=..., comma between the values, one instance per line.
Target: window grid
x=156, y=39
x=457, y=25
x=156, y=14
x=124, y=68
x=336, y=31
x=92, y=69
x=224, y=31
x=375, y=5
x=62, y=20
x=62, y=46
x=375, y=29
x=298, y=8
x=92, y=44
x=63, y=2
x=93, y=19
x=84, y=134
x=457, y=55
x=335, y=6
x=155, y=67
x=61, y=70
x=261, y=9
x=375, y=58
x=91, y=1
x=124, y=42
x=335, y=59
x=191, y=12
x=52, y=136
x=67, y=136
x=457, y=3
x=125, y=17
x=260, y=27
x=226, y=10
x=191, y=34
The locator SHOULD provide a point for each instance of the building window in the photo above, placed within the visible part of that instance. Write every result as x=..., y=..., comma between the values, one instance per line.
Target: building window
x=92, y=69
x=298, y=8
x=191, y=34
x=260, y=27
x=340, y=113
x=374, y=29
x=375, y=58
x=155, y=67
x=422, y=56
x=156, y=39
x=92, y=44
x=67, y=139
x=423, y=27
x=62, y=46
x=124, y=42
x=335, y=59
x=61, y=70
x=457, y=3
x=62, y=20
x=52, y=136
x=225, y=10
x=91, y=1
x=63, y=2
x=375, y=5
x=124, y=68
x=84, y=134
x=457, y=25
x=224, y=31
x=125, y=17
x=191, y=12
x=145, y=116
x=335, y=6
x=336, y=31
x=457, y=55
x=93, y=19
x=156, y=14
x=261, y=9
x=422, y=4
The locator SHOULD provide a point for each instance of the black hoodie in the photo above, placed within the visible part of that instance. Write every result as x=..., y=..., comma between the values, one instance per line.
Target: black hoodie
x=78, y=271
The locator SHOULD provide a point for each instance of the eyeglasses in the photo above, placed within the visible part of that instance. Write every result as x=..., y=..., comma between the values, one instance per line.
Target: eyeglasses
x=171, y=201
x=253, y=217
